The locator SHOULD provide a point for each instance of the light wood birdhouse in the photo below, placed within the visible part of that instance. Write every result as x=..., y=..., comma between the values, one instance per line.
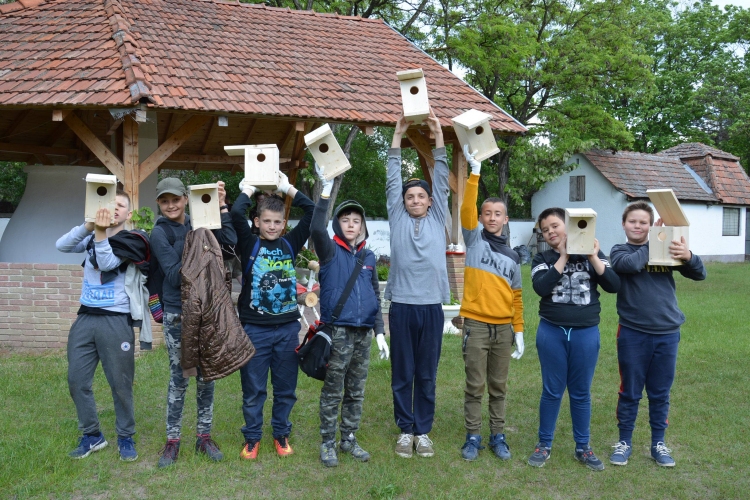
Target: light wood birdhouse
x=327, y=153
x=473, y=128
x=414, y=95
x=204, y=206
x=674, y=228
x=261, y=164
x=580, y=227
x=101, y=191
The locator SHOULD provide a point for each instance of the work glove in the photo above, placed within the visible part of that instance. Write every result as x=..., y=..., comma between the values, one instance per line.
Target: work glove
x=247, y=188
x=327, y=185
x=283, y=184
x=383, y=346
x=519, y=346
x=476, y=166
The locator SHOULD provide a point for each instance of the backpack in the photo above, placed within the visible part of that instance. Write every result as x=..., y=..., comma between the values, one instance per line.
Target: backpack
x=155, y=283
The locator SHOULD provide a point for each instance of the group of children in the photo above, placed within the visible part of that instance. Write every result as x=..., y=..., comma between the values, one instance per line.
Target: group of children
x=567, y=338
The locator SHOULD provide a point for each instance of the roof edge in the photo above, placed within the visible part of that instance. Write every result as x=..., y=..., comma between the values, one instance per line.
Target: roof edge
x=19, y=5
x=127, y=46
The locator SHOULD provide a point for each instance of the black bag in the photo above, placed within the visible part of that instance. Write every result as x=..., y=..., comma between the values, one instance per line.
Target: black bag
x=315, y=350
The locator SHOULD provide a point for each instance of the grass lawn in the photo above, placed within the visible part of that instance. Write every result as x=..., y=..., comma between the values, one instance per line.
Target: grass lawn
x=710, y=417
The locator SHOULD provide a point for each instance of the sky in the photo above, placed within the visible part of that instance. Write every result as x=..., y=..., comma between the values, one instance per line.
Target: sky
x=745, y=4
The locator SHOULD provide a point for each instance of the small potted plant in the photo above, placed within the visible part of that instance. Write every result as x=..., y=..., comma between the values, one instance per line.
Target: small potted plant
x=451, y=311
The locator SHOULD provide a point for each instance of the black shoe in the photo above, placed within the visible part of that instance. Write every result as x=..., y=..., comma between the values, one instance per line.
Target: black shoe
x=587, y=457
x=540, y=456
x=169, y=453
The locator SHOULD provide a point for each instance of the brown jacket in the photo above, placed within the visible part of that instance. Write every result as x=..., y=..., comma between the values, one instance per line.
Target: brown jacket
x=212, y=336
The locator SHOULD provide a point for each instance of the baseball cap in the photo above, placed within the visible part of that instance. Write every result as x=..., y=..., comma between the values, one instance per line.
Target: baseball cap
x=171, y=185
x=416, y=183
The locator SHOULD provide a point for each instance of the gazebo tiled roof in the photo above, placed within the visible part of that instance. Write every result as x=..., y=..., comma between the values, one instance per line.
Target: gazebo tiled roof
x=216, y=56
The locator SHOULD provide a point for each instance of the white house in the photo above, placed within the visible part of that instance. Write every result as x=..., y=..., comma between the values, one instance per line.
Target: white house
x=712, y=187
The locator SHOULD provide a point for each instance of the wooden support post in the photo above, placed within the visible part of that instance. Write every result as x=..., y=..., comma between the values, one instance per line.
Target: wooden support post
x=423, y=146
x=132, y=180
x=297, y=152
x=459, y=167
x=172, y=144
x=102, y=152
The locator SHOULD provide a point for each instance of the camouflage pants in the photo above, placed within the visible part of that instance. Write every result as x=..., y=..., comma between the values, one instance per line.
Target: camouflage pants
x=178, y=384
x=347, y=374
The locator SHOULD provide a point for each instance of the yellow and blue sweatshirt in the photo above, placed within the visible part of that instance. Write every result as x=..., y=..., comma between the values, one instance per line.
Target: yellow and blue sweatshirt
x=492, y=275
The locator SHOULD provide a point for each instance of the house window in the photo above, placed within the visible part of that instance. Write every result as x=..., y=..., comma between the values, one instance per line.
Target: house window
x=577, y=188
x=731, y=223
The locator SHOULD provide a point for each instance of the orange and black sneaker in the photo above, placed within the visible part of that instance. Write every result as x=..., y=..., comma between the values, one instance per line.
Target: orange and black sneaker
x=250, y=450
x=282, y=446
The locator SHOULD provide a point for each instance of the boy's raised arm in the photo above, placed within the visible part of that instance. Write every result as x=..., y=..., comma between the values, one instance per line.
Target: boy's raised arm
x=440, y=188
x=72, y=241
x=226, y=235
x=298, y=236
x=324, y=247
x=627, y=262
x=169, y=260
x=394, y=184
x=693, y=269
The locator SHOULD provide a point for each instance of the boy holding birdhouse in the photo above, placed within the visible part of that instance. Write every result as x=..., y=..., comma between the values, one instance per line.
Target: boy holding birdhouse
x=649, y=330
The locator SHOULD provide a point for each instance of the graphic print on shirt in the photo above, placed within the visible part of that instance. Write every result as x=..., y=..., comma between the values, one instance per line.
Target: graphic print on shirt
x=98, y=295
x=574, y=285
x=274, y=289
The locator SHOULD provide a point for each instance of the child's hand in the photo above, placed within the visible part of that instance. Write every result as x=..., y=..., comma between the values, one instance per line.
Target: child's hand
x=401, y=126
x=247, y=188
x=476, y=166
x=222, y=193
x=103, y=220
x=433, y=123
x=283, y=185
x=596, y=248
x=89, y=226
x=327, y=185
x=679, y=250
x=659, y=222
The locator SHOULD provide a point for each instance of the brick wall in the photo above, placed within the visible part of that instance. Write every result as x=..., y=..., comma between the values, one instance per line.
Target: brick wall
x=38, y=303
x=456, y=262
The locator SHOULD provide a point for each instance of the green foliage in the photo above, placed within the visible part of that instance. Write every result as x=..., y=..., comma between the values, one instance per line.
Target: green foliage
x=144, y=219
x=12, y=181
x=304, y=257
x=383, y=271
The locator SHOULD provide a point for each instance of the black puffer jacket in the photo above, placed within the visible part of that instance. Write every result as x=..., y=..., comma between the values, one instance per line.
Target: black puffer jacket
x=212, y=336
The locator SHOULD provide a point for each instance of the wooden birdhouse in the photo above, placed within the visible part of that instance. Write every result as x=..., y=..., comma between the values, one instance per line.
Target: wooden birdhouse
x=580, y=227
x=204, y=206
x=414, y=95
x=675, y=227
x=261, y=164
x=327, y=153
x=101, y=191
x=473, y=128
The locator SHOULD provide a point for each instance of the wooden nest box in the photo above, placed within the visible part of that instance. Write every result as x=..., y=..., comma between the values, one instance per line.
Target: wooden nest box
x=204, y=206
x=675, y=226
x=101, y=191
x=414, y=95
x=327, y=153
x=580, y=227
x=261, y=164
x=473, y=128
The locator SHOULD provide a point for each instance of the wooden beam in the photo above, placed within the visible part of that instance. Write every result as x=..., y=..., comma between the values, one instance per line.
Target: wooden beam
x=110, y=161
x=172, y=144
x=299, y=126
x=222, y=160
x=168, y=131
x=131, y=180
x=58, y=115
x=207, y=139
x=423, y=147
x=16, y=124
x=460, y=170
x=288, y=137
x=367, y=129
x=297, y=152
x=60, y=130
x=250, y=131
x=115, y=125
x=33, y=149
x=43, y=159
x=426, y=168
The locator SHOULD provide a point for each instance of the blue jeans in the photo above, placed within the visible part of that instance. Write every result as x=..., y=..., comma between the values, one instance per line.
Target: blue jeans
x=568, y=358
x=416, y=340
x=274, y=350
x=645, y=360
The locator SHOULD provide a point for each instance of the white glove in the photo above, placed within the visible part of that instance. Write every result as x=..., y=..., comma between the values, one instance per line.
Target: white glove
x=247, y=188
x=383, y=346
x=519, y=346
x=327, y=185
x=476, y=166
x=283, y=184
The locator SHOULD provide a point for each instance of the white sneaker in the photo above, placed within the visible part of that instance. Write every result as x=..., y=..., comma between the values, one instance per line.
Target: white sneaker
x=423, y=444
x=404, y=445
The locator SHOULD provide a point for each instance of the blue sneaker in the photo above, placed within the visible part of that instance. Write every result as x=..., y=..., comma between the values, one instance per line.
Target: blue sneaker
x=499, y=446
x=661, y=454
x=621, y=454
x=586, y=456
x=470, y=449
x=540, y=456
x=87, y=445
x=126, y=447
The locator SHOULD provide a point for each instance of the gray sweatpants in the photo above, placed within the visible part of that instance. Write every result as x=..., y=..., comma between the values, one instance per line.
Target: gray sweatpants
x=108, y=339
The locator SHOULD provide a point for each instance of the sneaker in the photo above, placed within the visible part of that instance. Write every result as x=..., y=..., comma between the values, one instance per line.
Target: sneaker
x=282, y=446
x=499, y=446
x=126, y=447
x=204, y=444
x=423, y=445
x=540, y=456
x=405, y=445
x=250, y=450
x=169, y=453
x=351, y=446
x=621, y=454
x=587, y=457
x=470, y=449
x=328, y=454
x=661, y=454
x=87, y=445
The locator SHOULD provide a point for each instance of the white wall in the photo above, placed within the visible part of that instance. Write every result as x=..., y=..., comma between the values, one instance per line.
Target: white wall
x=705, y=221
x=601, y=196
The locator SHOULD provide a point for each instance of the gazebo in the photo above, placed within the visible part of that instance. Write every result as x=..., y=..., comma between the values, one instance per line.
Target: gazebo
x=132, y=87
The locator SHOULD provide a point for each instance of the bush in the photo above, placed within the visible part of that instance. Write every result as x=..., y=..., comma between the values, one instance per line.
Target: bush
x=304, y=256
x=383, y=271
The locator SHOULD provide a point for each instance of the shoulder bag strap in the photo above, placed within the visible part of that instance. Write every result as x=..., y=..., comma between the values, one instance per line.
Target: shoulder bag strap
x=349, y=286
